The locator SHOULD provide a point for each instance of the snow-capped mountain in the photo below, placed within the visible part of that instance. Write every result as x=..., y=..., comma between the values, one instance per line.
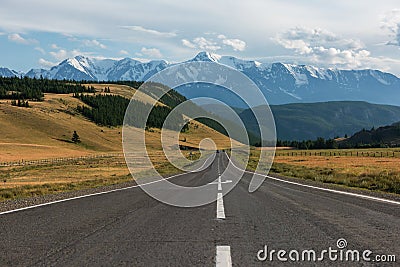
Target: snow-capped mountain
x=91, y=69
x=287, y=83
x=4, y=72
x=281, y=83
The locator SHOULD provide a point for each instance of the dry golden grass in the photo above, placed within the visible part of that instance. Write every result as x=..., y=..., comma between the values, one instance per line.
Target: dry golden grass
x=197, y=132
x=43, y=131
x=373, y=173
x=125, y=91
x=356, y=166
x=61, y=173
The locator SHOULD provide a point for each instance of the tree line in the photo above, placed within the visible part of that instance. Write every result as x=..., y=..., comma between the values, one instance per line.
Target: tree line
x=33, y=89
x=134, y=84
x=319, y=143
x=109, y=110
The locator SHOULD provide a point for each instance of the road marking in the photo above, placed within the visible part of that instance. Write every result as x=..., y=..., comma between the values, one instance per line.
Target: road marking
x=219, y=177
x=219, y=172
x=223, y=257
x=224, y=182
x=320, y=188
x=220, y=207
x=101, y=193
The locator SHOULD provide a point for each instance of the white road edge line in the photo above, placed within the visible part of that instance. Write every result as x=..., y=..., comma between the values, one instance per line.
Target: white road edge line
x=320, y=188
x=223, y=257
x=220, y=206
x=97, y=194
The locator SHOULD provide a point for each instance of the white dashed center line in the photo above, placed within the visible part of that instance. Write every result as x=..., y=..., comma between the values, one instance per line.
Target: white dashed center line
x=220, y=207
x=223, y=258
x=223, y=255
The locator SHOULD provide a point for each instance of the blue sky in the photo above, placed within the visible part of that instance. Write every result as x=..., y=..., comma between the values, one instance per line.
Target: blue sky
x=340, y=33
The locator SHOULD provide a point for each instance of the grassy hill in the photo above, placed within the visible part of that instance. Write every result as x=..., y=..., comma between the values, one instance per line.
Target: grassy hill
x=45, y=129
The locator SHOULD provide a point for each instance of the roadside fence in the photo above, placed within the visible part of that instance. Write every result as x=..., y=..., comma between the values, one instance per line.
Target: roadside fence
x=382, y=154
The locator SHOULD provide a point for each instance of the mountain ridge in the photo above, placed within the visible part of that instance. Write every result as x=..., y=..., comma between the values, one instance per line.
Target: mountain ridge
x=281, y=83
x=385, y=136
x=308, y=121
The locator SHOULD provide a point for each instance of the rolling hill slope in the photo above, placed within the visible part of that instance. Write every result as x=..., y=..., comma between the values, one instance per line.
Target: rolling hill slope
x=45, y=129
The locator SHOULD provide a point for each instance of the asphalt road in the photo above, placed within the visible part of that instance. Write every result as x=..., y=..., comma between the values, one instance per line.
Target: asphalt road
x=129, y=228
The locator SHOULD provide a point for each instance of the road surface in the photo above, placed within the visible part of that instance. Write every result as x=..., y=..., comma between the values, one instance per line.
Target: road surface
x=130, y=228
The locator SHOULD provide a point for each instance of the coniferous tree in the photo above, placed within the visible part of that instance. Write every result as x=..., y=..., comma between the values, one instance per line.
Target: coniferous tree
x=75, y=138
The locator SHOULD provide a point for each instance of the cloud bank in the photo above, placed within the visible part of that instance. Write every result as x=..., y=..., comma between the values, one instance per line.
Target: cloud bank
x=324, y=47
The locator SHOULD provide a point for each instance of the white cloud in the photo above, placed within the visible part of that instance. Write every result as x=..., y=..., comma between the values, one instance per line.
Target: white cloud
x=41, y=50
x=64, y=54
x=213, y=45
x=54, y=46
x=304, y=39
x=163, y=24
x=187, y=43
x=201, y=43
x=323, y=47
x=206, y=44
x=123, y=52
x=45, y=63
x=60, y=54
x=94, y=43
x=236, y=44
x=151, y=52
x=391, y=23
x=17, y=38
x=149, y=31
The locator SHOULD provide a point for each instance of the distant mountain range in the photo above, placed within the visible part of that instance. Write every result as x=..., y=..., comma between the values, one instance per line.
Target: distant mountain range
x=308, y=121
x=280, y=83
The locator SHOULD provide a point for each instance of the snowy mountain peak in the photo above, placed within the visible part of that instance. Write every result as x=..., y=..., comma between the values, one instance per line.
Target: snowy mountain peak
x=78, y=63
x=128, y=60
x=5, y=72
x=207, y=56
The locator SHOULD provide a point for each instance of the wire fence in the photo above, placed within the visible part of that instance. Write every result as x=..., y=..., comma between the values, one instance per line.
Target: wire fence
x=382, y=154
x=58, y=160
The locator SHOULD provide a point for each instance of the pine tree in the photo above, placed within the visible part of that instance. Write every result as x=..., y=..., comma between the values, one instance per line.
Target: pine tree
x=75, y=138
